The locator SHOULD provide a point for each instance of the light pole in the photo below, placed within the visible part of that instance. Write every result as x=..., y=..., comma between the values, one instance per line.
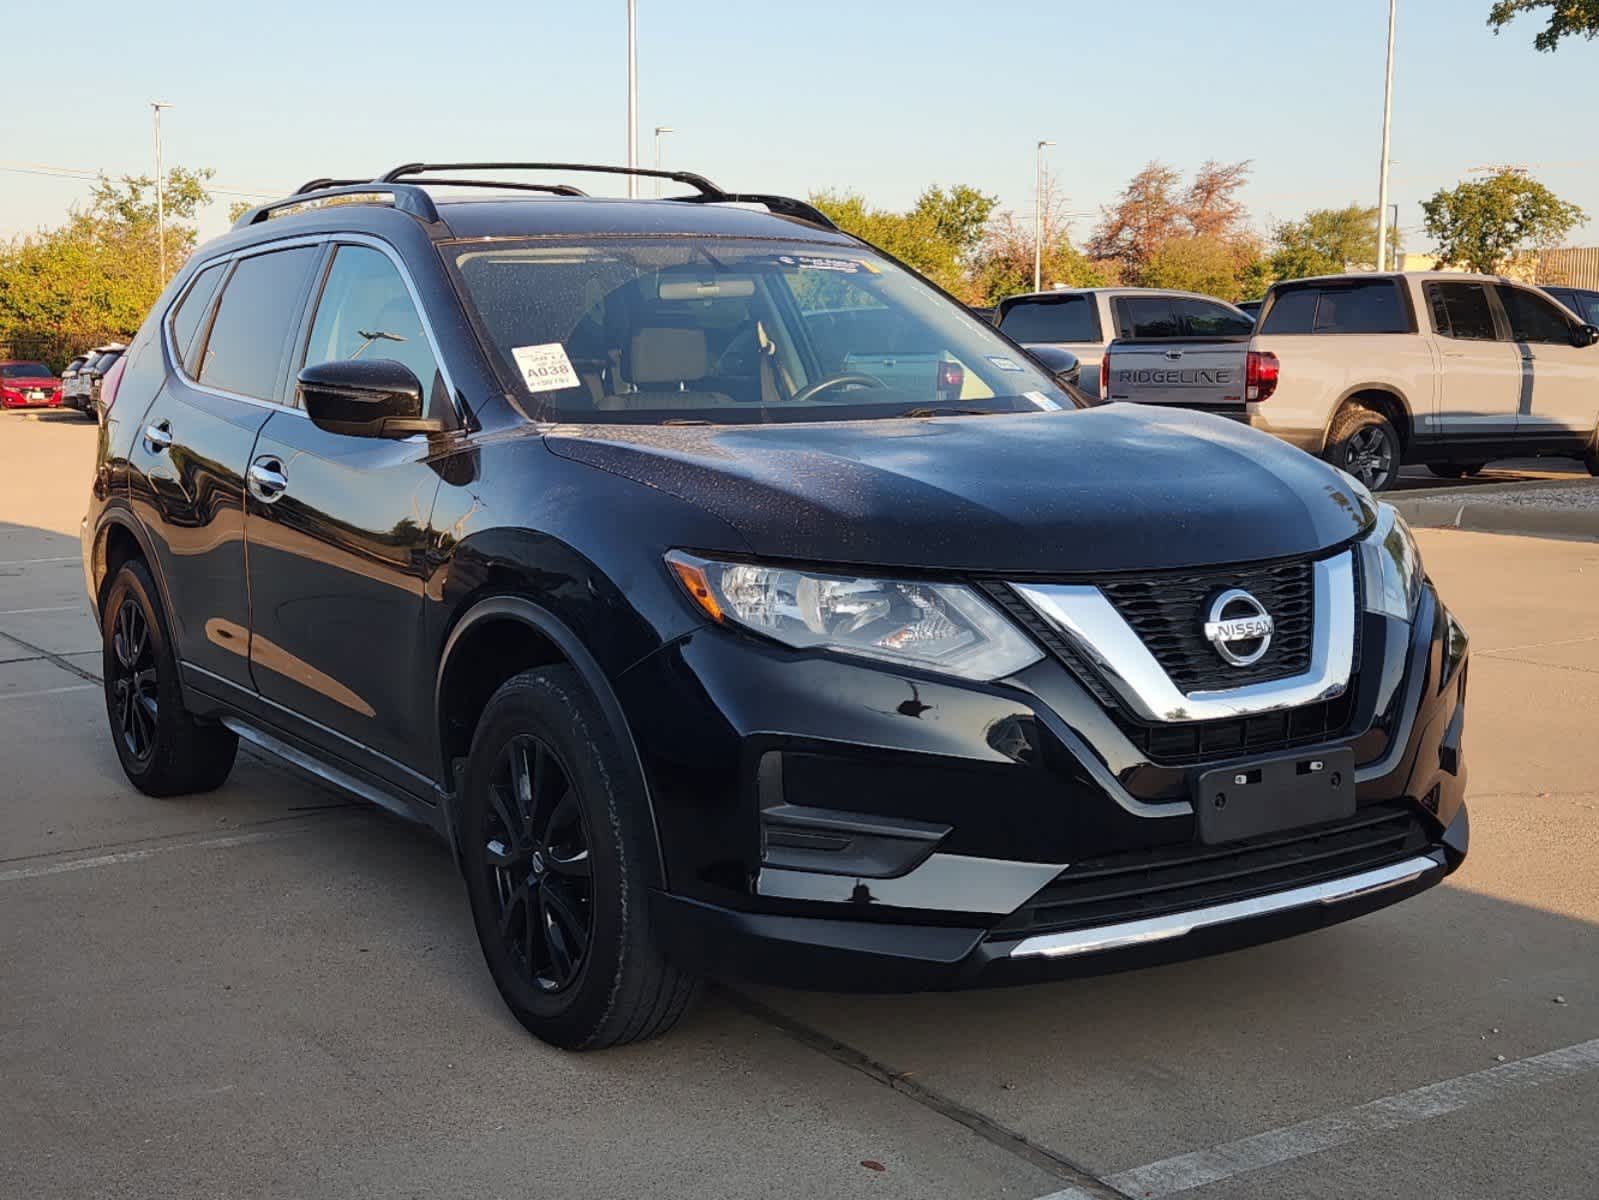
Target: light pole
x=632, y=96
x=1387, y=127
x=660, y=129
x=160, y=188
x=1038, y=219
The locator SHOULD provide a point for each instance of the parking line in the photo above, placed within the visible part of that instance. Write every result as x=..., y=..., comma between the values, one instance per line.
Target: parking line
x=1184, y=1172
x=127, y=856
x=31, y=562
x=76, y=687
x=23, y=612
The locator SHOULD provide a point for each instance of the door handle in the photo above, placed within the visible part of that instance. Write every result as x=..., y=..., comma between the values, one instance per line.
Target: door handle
x=266, y=479
x=158, y=437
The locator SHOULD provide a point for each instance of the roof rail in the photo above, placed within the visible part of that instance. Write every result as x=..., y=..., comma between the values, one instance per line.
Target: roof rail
x=407, y=198
x=701, y=184
x=783, y=206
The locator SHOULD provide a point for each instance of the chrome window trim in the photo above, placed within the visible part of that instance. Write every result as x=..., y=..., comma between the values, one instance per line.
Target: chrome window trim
x=289, y=243
x=1082, y=614
x=1180, y=924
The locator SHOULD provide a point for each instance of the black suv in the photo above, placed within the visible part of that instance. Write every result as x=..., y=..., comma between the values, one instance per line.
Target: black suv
x=735, y=602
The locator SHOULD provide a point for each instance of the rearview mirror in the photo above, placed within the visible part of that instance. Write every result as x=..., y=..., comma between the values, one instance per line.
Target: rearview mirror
x=1062, y=365
x=378, y=398
x=1584, y=335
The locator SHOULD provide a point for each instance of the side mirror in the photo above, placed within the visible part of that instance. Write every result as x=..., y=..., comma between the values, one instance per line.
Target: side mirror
x=1062, y=365
x=1583, y=336
x=376, y=398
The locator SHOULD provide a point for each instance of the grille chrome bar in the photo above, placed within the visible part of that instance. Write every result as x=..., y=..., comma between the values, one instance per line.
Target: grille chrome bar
x=1084, y=616
x=1176, y=925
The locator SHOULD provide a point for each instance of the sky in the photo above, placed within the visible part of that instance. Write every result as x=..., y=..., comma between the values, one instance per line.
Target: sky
x=881, y=96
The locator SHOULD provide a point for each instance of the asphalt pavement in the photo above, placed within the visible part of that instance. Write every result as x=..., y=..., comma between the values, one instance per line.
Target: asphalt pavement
x=274, y=990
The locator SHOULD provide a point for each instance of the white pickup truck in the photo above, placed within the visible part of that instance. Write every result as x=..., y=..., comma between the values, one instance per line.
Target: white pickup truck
x=1372, y=371
x=1084, y=320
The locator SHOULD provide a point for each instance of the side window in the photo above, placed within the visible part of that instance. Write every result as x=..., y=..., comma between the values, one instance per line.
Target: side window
x=366, y=312
x=191, y=311
x=1146, y=317
x=1068, y=319
x=1532, y=318
x=1586, y=306
x=260, y=306
x=1201, y=318
x=1361, y=308
x=1293, y=311
x=1461, y=310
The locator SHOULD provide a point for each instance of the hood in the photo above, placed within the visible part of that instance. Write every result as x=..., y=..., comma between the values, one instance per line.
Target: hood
x=1120, y=487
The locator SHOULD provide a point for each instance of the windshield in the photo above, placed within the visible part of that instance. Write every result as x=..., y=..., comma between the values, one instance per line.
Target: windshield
x=25, y=371
x=703, y=330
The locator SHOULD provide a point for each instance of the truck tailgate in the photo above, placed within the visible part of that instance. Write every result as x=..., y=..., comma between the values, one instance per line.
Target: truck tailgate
x=1208, y=375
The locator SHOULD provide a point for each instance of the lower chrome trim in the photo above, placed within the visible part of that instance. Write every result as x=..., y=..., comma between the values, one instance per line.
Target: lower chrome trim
x=948, y=882
x=1175, y=925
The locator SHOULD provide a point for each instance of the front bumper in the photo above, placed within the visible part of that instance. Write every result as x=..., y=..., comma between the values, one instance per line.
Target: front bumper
x=980, y=797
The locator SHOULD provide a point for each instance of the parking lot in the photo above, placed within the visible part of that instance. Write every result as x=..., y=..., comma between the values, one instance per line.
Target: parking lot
x=275, y=990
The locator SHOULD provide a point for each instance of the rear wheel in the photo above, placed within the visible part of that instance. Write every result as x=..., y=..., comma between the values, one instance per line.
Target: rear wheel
x=164, y=751
x=557, y=850
x=1364, y=442
x=1447, y=470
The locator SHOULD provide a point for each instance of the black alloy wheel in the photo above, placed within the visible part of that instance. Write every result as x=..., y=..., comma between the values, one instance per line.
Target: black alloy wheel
x=1369, y=456
x=135, y=681
x=535, y=850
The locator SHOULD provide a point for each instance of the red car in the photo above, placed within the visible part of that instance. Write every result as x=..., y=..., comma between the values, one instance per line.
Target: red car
x=28, y=384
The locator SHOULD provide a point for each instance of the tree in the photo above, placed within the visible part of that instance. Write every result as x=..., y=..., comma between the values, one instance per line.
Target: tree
x=938, y=237
x=1567, y=18
x=1324, y=241
x=1186, y=231
x=94, y=277
x=1485, y=224
x=1195, y=264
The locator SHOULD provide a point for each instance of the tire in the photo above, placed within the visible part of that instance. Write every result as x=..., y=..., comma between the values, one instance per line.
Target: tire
x=164, y=751
x=1363, y=442
x=1456, y=470
x=557, y=847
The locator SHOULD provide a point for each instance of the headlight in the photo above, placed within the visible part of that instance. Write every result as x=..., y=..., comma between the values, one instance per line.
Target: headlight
x=1391, y=566
x=938, y=626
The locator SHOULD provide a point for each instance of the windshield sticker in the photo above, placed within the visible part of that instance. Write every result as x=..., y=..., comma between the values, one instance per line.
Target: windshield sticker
x=1043, y=401
x=808, y=262
x=1003, y=363
x=545, y=368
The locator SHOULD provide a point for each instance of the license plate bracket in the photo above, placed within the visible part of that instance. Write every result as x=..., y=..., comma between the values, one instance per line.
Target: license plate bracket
x=1258, y=798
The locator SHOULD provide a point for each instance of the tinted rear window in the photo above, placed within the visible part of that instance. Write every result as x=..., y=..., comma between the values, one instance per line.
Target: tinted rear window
x=190, y=310
x=1207, y=318
x=1359, y=307
x=1146, y=317
x=1068, y=319
x=1461, y=310
x=259, y=307
x=25, y=370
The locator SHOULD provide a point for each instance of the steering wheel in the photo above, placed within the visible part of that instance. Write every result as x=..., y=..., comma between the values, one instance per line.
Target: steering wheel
x=841, y=380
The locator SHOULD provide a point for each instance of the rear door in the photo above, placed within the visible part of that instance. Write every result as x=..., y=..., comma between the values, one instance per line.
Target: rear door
x=1559, y=395
x=1480, y=372
x=338, y=535
x=189, y=458
x=1181, y=351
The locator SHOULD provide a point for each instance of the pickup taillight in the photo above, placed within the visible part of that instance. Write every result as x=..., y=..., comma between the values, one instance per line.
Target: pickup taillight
x=1261, y=372
x=951, y=380
x=1104, y=377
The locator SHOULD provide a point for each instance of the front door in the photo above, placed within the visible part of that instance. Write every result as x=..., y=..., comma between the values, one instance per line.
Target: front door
x=189, y=459
x=1560, y=402
x=1481, y=378
x=338, y=536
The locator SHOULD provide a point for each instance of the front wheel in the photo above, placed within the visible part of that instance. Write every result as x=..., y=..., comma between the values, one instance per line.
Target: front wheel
x=557, y=849
x=1363, y=442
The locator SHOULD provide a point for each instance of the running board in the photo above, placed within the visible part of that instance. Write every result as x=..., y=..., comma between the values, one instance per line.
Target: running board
x=1176, y=925
x=317, y=768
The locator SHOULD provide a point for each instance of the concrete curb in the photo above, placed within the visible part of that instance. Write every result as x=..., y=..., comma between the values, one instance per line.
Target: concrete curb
x=1563, y=509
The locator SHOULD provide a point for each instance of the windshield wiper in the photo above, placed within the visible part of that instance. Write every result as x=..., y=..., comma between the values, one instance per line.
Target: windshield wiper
x=948, y=412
